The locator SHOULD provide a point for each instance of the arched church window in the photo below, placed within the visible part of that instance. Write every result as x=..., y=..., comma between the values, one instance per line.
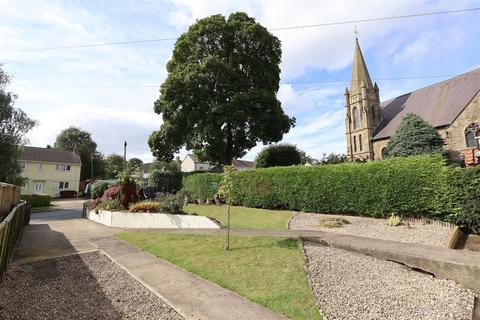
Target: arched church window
x=360, y=142
x=354, y=144
x=471, y=132
x=356, y=118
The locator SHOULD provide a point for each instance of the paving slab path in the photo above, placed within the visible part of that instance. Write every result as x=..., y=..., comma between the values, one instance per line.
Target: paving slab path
x=62, y=233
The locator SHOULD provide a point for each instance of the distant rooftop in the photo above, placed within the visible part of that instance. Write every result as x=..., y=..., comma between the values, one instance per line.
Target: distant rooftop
x=49, y=155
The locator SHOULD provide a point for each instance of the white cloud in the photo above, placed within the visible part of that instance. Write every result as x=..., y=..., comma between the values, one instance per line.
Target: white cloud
x=392, y=48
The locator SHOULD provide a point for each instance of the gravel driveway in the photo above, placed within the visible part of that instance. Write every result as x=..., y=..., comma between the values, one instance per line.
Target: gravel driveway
x=349, y=285
x=84, y=286
x=427, y=234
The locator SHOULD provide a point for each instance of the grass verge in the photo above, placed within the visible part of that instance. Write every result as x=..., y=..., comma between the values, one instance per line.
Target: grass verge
x=42, y=209
x=242, y=217
x=267, y=270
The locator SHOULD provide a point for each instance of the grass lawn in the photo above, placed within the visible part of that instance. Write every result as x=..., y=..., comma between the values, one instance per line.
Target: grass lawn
x=242, y=217
x=41, y=209
x=267, y=270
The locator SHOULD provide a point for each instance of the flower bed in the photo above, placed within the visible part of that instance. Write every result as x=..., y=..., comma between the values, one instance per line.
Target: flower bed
x=142, y=220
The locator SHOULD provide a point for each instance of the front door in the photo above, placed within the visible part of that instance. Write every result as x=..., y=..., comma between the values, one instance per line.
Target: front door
x=37, y=187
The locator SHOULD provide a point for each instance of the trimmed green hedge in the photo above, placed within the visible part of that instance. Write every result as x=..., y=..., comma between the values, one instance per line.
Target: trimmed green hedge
x=202, y=186
x=414, y=186
x=468, y=209
x=37, y=200
x=422, y=186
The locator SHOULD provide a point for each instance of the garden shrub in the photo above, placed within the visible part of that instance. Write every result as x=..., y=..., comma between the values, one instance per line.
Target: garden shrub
x=415, y=186
x=172, y=203
x=37, y=200
x=98, y=188
x=202, y=186
x=110, y=205
x=283, y=154
x=145, y=206
x=112, y=192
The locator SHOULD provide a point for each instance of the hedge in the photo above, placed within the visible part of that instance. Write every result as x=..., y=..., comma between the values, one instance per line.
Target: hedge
x=417, y=186
x=202, y=186
x=414, y=186
x=37, y=200
x=468, y=209
x=165, y=181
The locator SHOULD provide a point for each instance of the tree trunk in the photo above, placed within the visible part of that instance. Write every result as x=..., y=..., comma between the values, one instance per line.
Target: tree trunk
x=228, y=155
x=227, y=244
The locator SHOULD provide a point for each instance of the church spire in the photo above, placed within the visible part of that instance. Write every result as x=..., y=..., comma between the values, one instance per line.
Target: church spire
x=359, y=72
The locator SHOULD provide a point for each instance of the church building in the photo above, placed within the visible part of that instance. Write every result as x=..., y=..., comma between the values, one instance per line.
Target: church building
x=451, y=106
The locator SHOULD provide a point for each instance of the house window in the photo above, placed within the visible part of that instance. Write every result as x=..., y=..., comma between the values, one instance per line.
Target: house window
x=40, y=167
x=354, y=144
x=23, y=165
x=360, y=141
x=62, y=167
x=61, y=185
x=472, y=132
x=200, y=167
x=356, y=118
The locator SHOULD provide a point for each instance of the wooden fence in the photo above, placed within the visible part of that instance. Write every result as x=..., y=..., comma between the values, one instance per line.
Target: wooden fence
x=14, y=215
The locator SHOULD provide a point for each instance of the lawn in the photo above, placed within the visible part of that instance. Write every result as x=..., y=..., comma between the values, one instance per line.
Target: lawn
x=267, y=270
x=42, y=209
x=242, y=217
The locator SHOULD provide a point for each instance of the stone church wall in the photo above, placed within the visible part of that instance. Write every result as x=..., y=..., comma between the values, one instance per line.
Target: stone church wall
x=378, y=145
x=455, y=133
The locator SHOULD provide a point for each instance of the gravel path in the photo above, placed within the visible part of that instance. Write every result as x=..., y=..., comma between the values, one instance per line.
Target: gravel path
x=84, y=286
x=427, y=234
x=348, y=285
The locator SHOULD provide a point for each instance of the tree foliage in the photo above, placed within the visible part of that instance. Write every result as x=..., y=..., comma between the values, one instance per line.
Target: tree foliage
x=333, y=158
x=165, y=166
x=414, y=136
x=14, y=124
x=276, y=155
x=80, y=141
x=113, y=165
x=220, y=93
x=134, y=164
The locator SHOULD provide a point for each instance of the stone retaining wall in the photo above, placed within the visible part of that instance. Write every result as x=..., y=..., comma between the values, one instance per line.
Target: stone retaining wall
x=149, y=220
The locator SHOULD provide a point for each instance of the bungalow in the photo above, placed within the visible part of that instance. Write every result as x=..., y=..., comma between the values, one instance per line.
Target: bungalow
x=49, y=171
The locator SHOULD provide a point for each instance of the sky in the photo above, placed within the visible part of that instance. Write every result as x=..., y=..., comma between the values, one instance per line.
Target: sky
x=110, y=90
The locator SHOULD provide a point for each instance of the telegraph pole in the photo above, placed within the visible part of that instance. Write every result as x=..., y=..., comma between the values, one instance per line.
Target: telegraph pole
x=91, y=166
x=125, y=156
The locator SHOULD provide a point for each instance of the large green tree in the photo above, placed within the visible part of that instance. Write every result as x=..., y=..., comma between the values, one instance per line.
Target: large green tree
x=14, y=124
x=220, y=93
x=134, y=164
x=277, y=155
x=113, y=165
x=74, y=138
x=414, y=136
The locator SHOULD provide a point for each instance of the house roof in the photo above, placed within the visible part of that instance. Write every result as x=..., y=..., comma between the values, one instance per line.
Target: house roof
x=244, y=164
x=49, y=155
x=439, y=104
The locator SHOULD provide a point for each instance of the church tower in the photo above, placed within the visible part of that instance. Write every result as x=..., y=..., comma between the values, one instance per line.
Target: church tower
x=362, y=107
